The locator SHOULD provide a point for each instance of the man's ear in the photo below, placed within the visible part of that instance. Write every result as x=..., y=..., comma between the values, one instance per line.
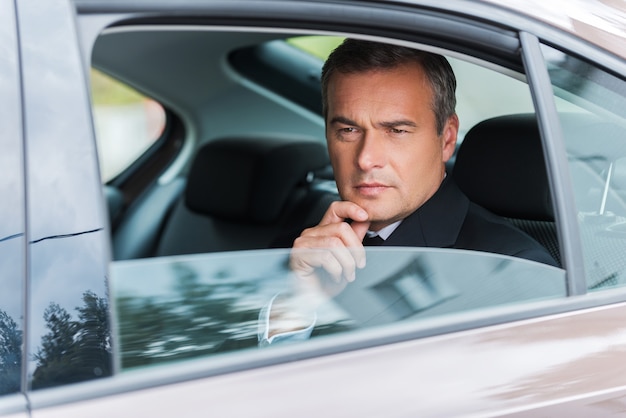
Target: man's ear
x=449, y=136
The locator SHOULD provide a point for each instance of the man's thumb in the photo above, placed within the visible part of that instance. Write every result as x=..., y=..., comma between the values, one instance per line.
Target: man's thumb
x=360, y=228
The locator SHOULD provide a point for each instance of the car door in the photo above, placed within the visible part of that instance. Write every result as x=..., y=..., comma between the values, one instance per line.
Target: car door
x=511, y=358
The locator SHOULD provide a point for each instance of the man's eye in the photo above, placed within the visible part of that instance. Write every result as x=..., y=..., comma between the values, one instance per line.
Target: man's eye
x=347, y=132
x=398, y=131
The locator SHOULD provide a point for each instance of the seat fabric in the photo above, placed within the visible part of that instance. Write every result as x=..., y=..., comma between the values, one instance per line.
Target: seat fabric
x=500, y=166
x=241, y=193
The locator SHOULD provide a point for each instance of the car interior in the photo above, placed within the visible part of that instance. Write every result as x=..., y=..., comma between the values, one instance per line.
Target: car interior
x=242, y=162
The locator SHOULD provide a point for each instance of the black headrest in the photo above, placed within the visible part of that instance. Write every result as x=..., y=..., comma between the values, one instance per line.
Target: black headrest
x=250, y=179
x=500, y=166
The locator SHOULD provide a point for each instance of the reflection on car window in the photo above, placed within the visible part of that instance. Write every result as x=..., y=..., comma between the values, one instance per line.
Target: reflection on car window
x=76, y=345
x=69, y=329
x=175, y=308
x=126, y=122
x=592, y=108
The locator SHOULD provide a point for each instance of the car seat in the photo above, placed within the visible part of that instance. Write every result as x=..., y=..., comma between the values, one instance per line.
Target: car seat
x=241, y=193
x=500, y=166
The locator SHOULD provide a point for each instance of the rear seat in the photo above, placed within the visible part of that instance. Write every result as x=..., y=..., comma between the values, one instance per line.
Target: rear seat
x=500, y=166
x=242, y=193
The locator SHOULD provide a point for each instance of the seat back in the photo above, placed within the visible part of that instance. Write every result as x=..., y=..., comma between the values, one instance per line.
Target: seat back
x=239, y=194
x=500, y=166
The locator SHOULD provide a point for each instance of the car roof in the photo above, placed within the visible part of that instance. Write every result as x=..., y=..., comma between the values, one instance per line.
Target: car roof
x=599, y=22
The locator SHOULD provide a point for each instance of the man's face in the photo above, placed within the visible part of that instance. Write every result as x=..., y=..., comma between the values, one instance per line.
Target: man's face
x=383, y=143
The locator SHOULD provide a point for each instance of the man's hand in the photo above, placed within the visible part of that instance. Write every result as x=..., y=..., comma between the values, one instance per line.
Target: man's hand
x=338, y=244
x=333, y=249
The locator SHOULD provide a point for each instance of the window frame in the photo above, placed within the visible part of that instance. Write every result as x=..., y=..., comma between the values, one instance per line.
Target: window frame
x=556, y=164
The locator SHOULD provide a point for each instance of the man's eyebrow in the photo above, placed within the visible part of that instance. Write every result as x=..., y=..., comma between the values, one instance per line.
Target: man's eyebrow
x=390, y=124
x=396, y=123
x=343, y=120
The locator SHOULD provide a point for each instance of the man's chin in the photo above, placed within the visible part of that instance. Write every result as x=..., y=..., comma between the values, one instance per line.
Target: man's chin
x=377, y=219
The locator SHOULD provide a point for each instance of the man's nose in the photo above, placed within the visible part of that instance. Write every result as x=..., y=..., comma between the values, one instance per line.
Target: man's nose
x=372, y=151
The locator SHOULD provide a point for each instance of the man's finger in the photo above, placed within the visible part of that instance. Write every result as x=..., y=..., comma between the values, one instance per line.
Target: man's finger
x=340, y=211
x=337, y=262
x=358, y=252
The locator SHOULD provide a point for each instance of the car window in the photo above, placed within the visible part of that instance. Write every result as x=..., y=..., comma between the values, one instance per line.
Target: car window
x=127, y=123
x=176, y=308
x=190, y=300
x=592, y=108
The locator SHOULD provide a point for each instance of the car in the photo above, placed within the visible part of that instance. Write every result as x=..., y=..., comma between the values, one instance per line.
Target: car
x=155, y=150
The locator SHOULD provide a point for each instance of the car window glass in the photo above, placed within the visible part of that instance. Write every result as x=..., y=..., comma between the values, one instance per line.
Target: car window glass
x=592, y=109
x=174, y=308
x=127, y=123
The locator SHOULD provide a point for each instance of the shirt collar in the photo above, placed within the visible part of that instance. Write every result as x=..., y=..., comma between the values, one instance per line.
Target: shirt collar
x=385, y=232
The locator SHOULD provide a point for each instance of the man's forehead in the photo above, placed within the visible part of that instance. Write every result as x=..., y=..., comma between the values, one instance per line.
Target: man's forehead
x=414, y=68
x=378, y=85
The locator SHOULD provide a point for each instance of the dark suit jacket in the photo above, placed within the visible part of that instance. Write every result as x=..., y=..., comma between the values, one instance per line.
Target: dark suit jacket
x=449, y=220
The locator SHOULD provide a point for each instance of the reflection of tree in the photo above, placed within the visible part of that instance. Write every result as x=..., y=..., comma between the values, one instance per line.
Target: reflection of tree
x=10, y=354
x=74, y=351
x=196, y=319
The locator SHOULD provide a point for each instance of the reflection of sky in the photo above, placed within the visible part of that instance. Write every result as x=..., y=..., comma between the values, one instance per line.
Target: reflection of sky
x=64, y=190
x=11, y=278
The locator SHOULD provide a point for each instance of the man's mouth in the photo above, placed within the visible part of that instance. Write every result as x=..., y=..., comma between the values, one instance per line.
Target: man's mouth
x=371, y=189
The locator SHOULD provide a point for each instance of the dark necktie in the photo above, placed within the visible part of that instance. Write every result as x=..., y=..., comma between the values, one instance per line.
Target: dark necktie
x=371, y=241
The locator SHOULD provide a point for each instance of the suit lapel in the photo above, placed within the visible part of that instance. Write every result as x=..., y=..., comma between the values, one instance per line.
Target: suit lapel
x=436, y=223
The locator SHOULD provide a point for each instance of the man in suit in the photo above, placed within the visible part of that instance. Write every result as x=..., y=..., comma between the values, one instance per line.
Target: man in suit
x=390, y=127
